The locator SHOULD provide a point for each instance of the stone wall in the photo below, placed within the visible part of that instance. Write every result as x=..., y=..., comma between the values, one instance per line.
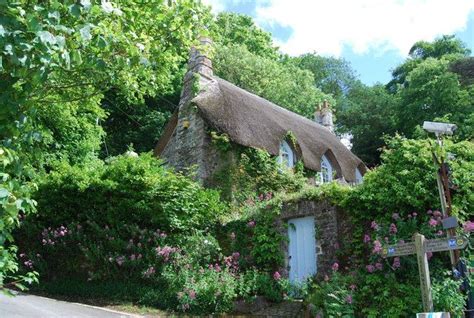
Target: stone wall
x=329, y=223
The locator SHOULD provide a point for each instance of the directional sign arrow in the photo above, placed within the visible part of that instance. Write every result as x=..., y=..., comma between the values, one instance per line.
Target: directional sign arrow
x=399, y=249
x=446, y=244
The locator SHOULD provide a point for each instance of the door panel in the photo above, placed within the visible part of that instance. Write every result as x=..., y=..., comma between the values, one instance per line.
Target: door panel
x=301, y=248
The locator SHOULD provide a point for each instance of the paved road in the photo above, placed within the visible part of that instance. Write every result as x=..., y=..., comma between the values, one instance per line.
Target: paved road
x=26, y=306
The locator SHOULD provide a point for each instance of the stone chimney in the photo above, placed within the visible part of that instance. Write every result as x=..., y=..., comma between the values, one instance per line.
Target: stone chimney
x=323, y=116
x=199, y=68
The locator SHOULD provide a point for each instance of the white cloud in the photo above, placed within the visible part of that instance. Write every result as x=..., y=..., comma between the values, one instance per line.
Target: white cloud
x=327, y=26
x=217, y=5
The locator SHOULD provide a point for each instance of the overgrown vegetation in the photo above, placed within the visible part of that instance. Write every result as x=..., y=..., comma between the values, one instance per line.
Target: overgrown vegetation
x=83, y=81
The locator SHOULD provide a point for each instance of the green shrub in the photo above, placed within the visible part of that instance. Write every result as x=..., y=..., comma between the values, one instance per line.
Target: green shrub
x=448, y=297
x=333, y=297
x=114, y=220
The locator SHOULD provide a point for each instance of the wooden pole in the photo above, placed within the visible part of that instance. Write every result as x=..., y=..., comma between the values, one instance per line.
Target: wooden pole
x=423, y=268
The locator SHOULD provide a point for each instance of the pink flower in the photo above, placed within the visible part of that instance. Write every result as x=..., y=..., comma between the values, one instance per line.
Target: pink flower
x=192, y=294
x=370, y=268
x=353, y=287
x=379, y=266
x=235, y=255
x=150, y=271
x=377, y=247
x=374, y=225
x=165, y=252
x=393, y=228
x=396, y=262
x=120, y=260
x=349, y=299
x=439, y=233
x=395, y=216
x=437, y=213
x=415, y=214
x=217, y=268
x=429, y=212
x=335, y=267
x=468, y=226
x=432, y=222
x=276, y=276
x=366, y=238
x=251, y=224
x=401, y=241
x=429, y=255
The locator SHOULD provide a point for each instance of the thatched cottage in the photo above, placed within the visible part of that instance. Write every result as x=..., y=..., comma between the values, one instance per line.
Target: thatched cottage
x=209, y=103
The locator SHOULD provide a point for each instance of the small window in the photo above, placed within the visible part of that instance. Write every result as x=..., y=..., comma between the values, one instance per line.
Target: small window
x=326, y=170
x=286, y=157
x=358, y=176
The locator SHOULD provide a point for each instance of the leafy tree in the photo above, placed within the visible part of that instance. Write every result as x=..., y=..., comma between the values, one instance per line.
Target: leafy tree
x=285, y=85
x=433, y=92
x=137, y=124
x=447, y=45
x=61, y=56
x=369, y=115
x=239, y=29
x=332, y=75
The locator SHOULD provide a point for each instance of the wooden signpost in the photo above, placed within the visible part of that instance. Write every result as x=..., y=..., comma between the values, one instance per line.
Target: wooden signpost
x=420, y=247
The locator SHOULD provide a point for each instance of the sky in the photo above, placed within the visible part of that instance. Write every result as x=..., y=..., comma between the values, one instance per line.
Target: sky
x=373, y=35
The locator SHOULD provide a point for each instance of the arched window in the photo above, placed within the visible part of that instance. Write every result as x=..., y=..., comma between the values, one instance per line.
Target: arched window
x=286, y=157
x=326, y=170
x=358, y=176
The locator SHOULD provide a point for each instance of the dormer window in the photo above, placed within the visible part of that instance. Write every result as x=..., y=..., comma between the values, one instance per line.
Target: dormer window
x=326, y=170
x=358, y=176
x=287, y=156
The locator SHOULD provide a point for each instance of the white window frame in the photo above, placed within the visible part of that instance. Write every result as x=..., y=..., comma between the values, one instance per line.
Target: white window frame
x=286, y=156
x=359, y=177
x=326, y=170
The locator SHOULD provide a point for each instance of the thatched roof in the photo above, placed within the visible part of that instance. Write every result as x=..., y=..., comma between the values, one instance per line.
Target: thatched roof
x=255, y=122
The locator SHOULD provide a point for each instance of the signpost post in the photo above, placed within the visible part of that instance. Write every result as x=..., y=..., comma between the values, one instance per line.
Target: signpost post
x=420, y=247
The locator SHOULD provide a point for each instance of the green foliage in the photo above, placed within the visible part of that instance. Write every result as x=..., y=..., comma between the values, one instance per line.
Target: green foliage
x=447, y=296
x=15, y=198
x=59, y=58
x=284, y=84
x=331, y=75
x=369, y=116
x=384, y=295
x=78, y=225
x=134, y=123
x=406, y=180
x=432, y=92
x=238, y=29
x=267, y=241
x=333, y=297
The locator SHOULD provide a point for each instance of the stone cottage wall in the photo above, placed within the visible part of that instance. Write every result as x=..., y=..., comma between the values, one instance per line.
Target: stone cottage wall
x=330, y=225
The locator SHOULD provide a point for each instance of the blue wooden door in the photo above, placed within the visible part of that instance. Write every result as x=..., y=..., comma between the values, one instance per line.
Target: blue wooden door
x=302, y=248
